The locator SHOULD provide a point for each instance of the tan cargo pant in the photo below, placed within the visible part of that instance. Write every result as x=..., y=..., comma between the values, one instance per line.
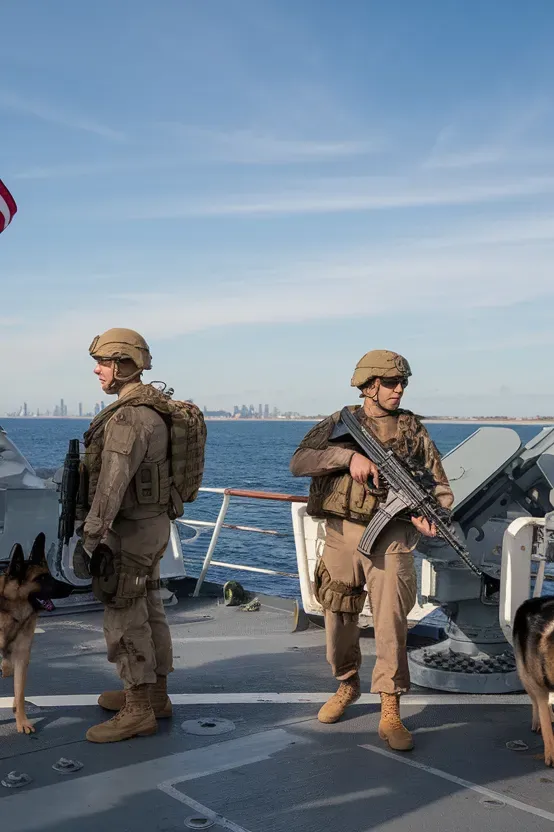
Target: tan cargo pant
x=390, y=578
x=137, y=635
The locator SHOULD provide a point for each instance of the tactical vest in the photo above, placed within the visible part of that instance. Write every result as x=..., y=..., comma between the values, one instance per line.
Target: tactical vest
x=339, y=494
x=184, y=468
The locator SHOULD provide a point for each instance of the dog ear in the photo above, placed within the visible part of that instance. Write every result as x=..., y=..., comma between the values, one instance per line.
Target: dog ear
x=17, y=566
x=38, y=552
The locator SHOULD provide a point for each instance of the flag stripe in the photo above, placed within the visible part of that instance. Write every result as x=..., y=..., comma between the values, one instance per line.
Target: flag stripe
x=5, y=216
x=7, y=207
x=8, y=198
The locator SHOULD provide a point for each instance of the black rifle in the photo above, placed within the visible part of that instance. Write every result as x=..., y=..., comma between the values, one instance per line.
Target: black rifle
x=408, y=492
x=69, y=493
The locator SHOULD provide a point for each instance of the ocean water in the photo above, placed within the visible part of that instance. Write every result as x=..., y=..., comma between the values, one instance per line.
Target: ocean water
x=249, y=455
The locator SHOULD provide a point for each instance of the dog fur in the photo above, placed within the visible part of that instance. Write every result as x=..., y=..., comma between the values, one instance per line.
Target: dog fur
x=21, y=587
x=533, y=634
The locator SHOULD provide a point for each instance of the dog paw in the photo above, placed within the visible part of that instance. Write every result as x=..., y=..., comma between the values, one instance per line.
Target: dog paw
x=24, y=726
x=536, y=727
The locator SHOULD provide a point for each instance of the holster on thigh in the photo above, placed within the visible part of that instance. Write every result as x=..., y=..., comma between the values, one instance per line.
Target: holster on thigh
x=104, y=565
x=336, y=596
x=121, y=589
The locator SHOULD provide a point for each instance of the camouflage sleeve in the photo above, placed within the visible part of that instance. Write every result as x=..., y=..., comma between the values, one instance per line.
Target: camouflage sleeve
x=433, y=463
x=314, y=457
x=125, y=445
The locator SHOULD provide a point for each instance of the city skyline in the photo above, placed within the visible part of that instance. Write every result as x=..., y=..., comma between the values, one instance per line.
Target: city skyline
x=61, y=411
x=260, y=412
x=58, y=411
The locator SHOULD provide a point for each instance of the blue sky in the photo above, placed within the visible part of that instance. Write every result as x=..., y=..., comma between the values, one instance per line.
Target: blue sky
x=267, y=189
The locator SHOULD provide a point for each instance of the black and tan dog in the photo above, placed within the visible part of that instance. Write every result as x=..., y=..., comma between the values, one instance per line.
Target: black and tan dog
x=533, y=633
x=22, y=587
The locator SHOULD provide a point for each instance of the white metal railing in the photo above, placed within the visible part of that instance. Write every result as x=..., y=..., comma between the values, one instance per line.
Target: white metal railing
x=219, y=524
x=309, y=537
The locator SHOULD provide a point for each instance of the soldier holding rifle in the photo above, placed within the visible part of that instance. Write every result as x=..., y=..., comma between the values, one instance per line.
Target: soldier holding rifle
x=345, y=489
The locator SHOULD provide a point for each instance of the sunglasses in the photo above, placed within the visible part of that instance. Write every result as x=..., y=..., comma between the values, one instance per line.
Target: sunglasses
x=392, y=383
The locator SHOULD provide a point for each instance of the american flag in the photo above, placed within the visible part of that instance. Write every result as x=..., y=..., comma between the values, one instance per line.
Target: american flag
x=8, y=207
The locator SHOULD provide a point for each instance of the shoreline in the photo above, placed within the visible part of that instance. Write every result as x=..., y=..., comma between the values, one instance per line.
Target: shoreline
x=526, y=422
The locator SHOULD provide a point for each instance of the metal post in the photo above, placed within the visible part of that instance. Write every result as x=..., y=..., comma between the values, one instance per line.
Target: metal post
x=517, y=546
x=213, y=541
x=539, y=580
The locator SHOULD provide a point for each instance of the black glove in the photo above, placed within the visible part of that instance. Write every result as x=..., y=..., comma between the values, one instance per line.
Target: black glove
x=101, y=562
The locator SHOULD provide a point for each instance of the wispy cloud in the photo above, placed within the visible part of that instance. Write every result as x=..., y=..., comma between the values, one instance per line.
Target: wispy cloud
x=469, y=158
x=78, y=170
x=189, y=146
x=527, y=228
x=493, y=133
x=332, y=195
x=455, y=147
x=412, y=277
x=66, y=171
x=58, y=116
x=445, y=282
x=253, y=147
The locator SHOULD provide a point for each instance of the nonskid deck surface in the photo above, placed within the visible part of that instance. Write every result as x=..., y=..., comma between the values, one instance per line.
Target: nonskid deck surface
x=273, y=766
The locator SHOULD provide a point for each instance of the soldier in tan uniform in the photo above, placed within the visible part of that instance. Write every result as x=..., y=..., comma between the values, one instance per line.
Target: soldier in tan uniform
x=341, y=493
x=126, y=531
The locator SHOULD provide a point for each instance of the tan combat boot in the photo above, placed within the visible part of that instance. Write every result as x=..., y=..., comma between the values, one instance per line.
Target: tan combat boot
x=391, y=728
x=347, y=693
x=135, y=719
x=114, y=700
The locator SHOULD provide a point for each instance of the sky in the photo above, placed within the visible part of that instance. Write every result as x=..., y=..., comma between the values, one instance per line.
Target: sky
x=267, y=189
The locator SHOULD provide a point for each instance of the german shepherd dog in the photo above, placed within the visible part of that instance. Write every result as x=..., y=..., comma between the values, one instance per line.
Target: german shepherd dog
x=22, y=587
x=533, y=634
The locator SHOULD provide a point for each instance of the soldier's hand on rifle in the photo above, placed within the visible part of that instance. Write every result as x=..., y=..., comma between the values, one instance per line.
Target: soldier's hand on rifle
x=361, y=468
x=424, y=527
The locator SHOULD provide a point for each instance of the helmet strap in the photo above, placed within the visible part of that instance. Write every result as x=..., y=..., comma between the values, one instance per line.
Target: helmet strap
x=125, y=379
x=119, y=380
x=385, y=411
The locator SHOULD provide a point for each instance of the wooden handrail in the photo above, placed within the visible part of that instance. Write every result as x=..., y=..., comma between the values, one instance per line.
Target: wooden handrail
x=266, y=495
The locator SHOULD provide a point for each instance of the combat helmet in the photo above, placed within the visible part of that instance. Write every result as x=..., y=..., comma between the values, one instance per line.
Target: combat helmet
x=119, y=344
x=380, y=364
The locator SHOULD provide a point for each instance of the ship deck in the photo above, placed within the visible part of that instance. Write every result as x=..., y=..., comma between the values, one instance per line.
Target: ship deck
x=244, y=750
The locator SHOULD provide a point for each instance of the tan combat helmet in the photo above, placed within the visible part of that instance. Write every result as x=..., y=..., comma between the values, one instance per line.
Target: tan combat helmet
x=119, y=344
x=380, y=364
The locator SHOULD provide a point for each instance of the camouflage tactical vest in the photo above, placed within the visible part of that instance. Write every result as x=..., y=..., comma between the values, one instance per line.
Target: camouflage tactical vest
x=340, y=495
x=187, y=440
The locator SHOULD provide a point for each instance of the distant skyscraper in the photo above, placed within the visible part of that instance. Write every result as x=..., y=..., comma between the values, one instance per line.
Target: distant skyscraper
x=102, y=405
x=25, y=409
x=63, y=411
x=80, y=408
x=96, y=409
x=266, y=411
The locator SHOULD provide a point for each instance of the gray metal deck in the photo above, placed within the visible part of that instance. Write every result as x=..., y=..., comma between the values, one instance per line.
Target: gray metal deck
x=278, y=768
